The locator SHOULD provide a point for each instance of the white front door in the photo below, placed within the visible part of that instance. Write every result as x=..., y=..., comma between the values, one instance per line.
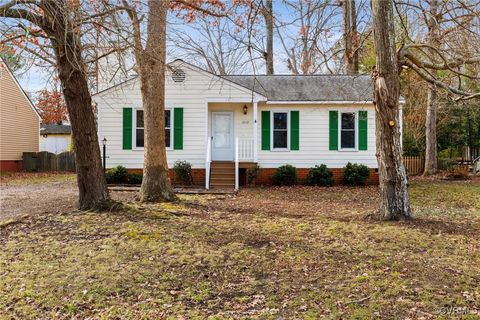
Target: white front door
x=222, y=136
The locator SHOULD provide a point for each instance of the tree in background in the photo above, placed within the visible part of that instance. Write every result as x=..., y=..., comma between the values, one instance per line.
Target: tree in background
x=267, y=13
x=53, y=109
x=432, y=31
x=306, y=36
x=350, y=36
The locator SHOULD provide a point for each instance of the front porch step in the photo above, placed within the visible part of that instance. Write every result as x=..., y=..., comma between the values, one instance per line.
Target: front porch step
x=215, y=181
x=223, y=171
x=226, y=166
x=223, y=186
x=222, y=175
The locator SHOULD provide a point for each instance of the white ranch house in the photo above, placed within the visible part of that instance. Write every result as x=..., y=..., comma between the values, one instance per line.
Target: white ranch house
x=223, y=124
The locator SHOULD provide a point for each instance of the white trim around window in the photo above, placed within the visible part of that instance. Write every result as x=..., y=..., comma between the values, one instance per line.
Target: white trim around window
x=134, y=129
x=272, y=129
x=355, y=148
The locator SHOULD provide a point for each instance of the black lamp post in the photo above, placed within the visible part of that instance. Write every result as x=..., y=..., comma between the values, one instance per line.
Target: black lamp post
x=104, y=142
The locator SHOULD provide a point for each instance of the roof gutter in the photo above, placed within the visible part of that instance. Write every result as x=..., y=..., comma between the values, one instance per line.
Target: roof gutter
x=324, y=102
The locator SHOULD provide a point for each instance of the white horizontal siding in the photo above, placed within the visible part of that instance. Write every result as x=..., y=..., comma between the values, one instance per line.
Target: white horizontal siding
x=192, y=95
x=314, y=139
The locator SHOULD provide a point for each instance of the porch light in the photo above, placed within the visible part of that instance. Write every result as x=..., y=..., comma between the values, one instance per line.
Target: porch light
x=245, y=109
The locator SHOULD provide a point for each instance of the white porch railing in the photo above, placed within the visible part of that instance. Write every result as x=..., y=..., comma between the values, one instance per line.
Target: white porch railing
x=208, y=161
x=237, y=160
x=246, y=150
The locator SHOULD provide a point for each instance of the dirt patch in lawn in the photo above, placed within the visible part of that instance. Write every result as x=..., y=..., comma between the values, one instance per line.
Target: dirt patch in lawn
x=292, y=253
x=36, y=193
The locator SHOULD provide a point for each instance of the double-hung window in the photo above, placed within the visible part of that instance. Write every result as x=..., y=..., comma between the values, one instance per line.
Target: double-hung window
x=347, y=130
x=280, y=130
x=139, y=129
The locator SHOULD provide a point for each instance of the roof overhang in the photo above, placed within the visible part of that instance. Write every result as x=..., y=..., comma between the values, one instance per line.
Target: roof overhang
x=401, y=101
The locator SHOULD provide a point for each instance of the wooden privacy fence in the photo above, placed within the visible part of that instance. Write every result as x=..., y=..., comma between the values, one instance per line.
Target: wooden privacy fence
x=47, y=161
x=414, y=165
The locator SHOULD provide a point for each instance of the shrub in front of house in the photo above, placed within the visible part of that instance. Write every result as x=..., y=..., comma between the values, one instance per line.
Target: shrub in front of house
x=183, y=172
x=355, y=174
x=285, y=175
x=135, y=178
x=118, y=174
x=320, y=176
x=252, y=174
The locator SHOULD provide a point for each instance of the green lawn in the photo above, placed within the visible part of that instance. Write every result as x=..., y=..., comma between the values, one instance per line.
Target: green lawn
x=291, y=253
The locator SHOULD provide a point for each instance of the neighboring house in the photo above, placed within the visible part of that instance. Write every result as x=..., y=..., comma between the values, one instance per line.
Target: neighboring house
x=275, y=120
x=19, y=122
x=55, y=138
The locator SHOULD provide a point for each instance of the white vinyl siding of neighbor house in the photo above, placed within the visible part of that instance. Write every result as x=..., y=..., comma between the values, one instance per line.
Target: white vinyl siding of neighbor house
x=191, y=95
x=19, y=122
x=314, y=138
x=56, y=143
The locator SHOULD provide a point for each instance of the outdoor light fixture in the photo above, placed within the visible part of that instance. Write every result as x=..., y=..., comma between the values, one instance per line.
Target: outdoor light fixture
x=104, y=142
x=245, y=109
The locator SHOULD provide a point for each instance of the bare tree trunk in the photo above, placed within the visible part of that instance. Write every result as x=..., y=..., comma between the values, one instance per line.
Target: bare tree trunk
x=350, y=36
x=268, y=15
x=432, y=101
x=156, y=184
x=93, y=192
x=395, y=203
x=431, y=132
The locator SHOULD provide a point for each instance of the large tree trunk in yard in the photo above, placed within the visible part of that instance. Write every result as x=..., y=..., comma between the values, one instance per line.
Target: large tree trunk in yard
x=93, y=192
x=432, y=101
x=156, y=182
x=395, y=203
x=268, y=15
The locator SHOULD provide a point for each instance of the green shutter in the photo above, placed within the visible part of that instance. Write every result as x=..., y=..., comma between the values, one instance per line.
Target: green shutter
x=362, y=130
x=294, y=130
x=265, y=130
x=177, y=128
x=333, y=144
x=127, y=128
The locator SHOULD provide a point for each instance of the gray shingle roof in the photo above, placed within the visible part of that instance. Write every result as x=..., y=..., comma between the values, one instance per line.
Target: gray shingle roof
x=308, y=87
x=55, y=129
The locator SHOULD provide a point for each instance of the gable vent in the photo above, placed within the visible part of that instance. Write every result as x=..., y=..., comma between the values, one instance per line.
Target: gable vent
x=178, y=75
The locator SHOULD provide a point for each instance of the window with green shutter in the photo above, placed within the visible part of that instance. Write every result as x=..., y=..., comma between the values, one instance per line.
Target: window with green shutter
x=265, y=130
x=294, y=130
x=362, y=130
x=178, y=128
x=333, y=130
x=127, y=129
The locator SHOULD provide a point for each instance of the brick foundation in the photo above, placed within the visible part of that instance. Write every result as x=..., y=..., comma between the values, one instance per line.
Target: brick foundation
x=10, y=165
x=265, y=176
